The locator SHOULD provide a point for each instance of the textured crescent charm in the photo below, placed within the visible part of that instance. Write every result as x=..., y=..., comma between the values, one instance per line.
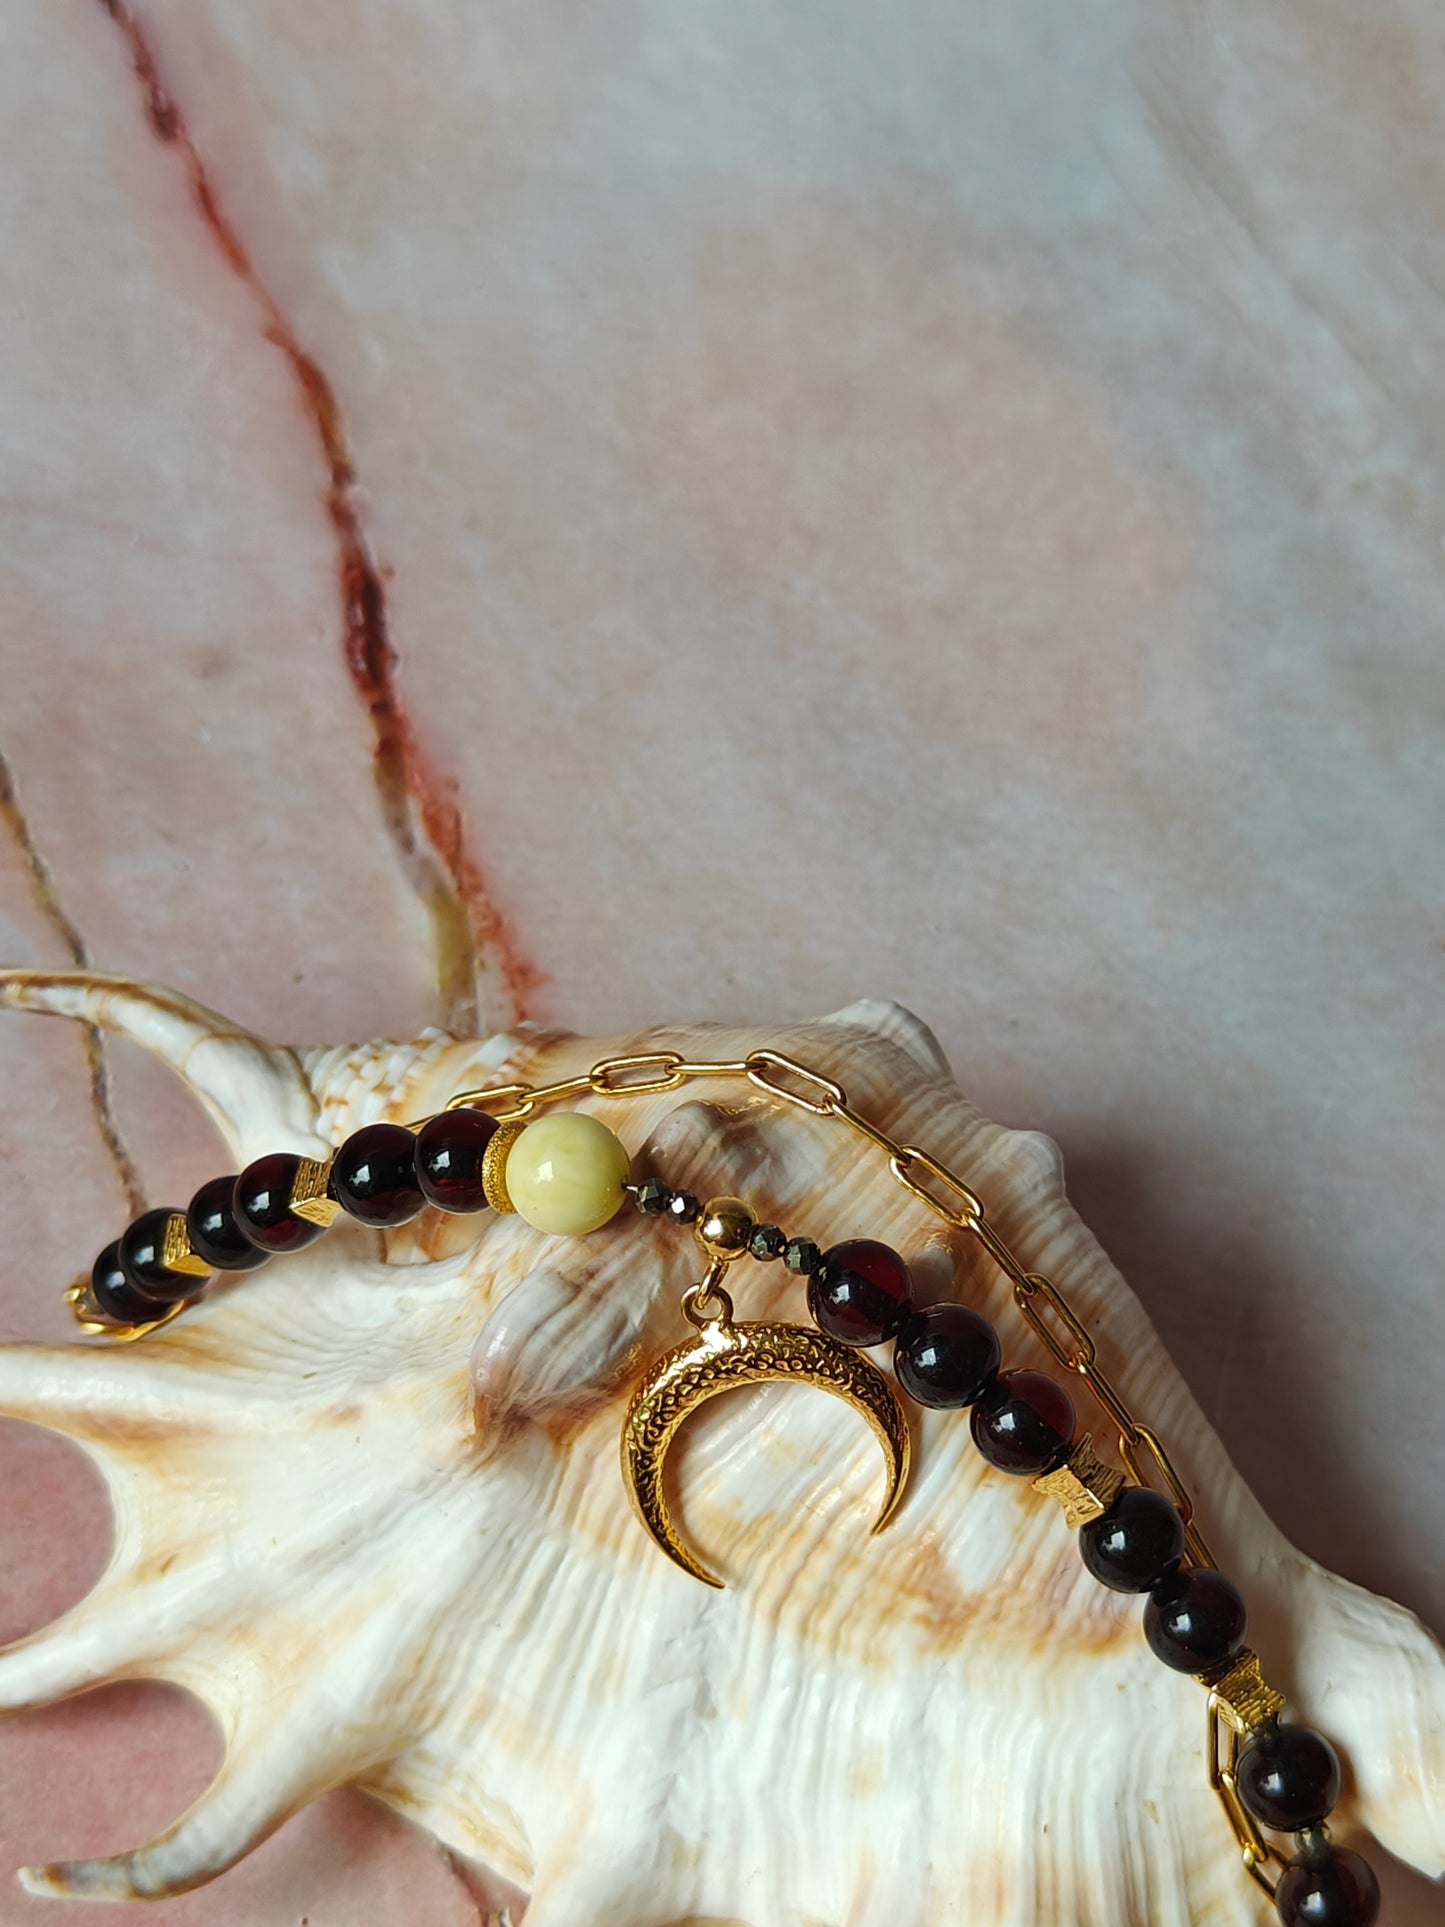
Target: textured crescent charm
x=725, y=1355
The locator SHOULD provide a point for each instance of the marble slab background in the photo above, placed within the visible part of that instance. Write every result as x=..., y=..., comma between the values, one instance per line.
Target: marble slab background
x=717, y=510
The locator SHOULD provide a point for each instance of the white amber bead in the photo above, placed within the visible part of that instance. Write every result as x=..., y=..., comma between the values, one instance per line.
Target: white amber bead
x=565, y=1173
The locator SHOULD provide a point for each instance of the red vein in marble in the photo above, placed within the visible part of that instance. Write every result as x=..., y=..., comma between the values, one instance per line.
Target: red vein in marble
x=418, y=805
x=47, y=901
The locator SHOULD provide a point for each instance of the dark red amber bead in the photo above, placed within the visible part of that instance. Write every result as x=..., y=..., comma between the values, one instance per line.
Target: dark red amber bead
x=1137, y=1542
x=115, y=1296
x=861, y=1292
x=141, y=1245
x=1327, y=1886
x=1288, y=1776
x=373, y=1175
x=213, y=1231
x=262, y=1204
x=1195, y=1620
x=946, y=1355
x=1023, y=1423
x=449, y=1152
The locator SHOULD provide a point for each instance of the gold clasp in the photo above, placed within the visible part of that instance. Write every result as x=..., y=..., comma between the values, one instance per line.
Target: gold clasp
x=75, y=1297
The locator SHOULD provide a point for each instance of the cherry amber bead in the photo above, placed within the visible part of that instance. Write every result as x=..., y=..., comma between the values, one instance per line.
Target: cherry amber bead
x=1194, y=1620
x=861, y=1292
x=1289, y=1777
x=262, y=1204
x=1327, y=1886
x=1137, y=1542
x=141, y=1245
x=946, y=1355
x=373, y=1175
x=449, y=1151
x=1023, y=1423
x=114, y=1293
x=213, y=1231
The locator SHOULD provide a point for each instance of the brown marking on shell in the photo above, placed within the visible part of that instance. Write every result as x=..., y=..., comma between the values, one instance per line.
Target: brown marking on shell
x=706, y=1920
x=943, y=1612
x=567, y=1424
x=136, y=1431
x=41, y=983
x=437, y=1234
x=154, y=1565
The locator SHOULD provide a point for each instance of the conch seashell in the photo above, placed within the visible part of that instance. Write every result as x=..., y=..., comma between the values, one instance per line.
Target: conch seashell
x=368, y=1509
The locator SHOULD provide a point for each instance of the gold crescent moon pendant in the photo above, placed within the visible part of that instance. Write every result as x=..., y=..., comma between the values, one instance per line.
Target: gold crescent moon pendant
x=722, y=1356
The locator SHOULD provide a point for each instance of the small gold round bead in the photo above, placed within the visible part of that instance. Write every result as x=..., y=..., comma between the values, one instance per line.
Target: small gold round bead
x=723, y=1228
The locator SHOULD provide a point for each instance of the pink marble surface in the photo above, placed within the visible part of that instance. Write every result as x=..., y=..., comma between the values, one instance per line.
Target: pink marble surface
x=731, y=508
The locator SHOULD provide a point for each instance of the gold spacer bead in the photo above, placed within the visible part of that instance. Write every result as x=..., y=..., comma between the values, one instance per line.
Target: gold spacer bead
x=494, y=1167
x=177, y=1251
x=1083, y=1485
x=723, y=1228
x=308, y=1192
x=1243, y=1697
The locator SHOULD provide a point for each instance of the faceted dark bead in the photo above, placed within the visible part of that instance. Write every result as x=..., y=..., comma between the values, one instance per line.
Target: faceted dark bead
x=682, y=1207
x=1023, y=1423
x=652, y=1197
x=141, y=1244
x=861, y=1293
x=1289, y=1776
x=768, y=1242
x=213, y=1231
x=802, y=1256
x=262, y=1204
x=946, y=1355
x=114, y=1293
x=1194, y=1620
x=373, y=1175
x=1138, y=1542
x=448, y=1152
x=1327, y=1886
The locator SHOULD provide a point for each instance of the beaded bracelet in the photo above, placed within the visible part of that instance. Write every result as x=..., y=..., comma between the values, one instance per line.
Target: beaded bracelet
x=567, y=1174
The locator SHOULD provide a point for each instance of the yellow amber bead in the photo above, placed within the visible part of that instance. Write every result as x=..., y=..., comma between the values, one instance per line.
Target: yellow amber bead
x=565, y=1173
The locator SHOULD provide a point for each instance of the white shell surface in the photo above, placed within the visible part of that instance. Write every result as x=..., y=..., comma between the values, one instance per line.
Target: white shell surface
x=368, y=1510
